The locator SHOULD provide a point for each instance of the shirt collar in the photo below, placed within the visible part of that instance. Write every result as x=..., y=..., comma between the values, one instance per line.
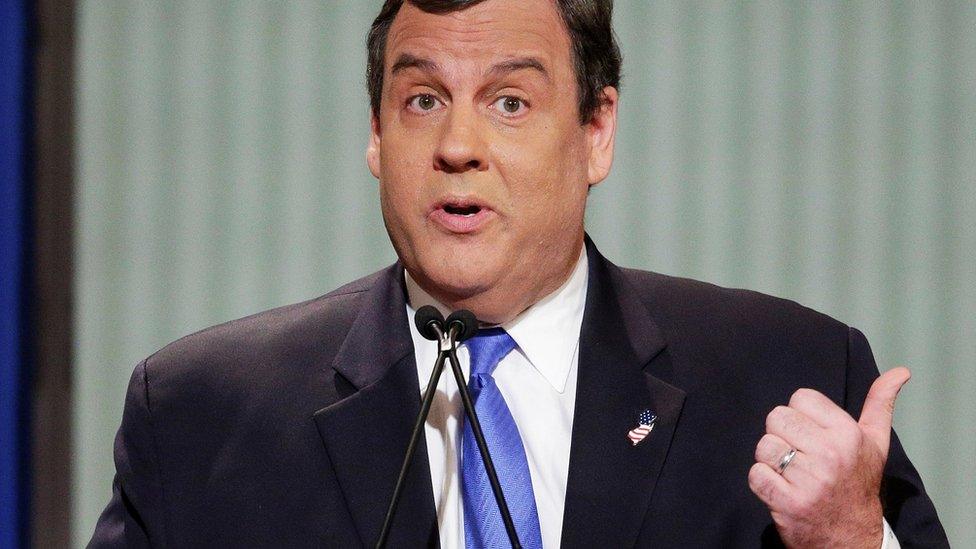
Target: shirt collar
x=547, y=333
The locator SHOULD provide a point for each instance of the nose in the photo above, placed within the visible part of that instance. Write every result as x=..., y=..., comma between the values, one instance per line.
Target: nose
x=461, y=146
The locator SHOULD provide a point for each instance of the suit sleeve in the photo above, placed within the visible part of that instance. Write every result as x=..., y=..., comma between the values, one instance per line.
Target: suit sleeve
x=133, y=517
x=907, y=507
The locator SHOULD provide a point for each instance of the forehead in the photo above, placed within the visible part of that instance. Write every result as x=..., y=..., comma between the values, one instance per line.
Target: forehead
x=487, y=31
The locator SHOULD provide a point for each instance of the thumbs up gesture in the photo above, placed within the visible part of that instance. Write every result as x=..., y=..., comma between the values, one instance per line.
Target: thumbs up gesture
x=819, y=471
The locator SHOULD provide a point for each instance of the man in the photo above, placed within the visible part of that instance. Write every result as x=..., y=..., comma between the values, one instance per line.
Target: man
x=622, y=407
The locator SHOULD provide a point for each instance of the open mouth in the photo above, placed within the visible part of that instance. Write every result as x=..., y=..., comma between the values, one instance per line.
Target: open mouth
x=462, y=215
x=455, y=209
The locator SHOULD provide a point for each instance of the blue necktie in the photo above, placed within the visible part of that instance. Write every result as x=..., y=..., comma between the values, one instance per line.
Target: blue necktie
x=483, y=526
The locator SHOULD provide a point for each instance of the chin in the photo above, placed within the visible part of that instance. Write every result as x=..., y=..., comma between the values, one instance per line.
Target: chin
x=458, y=284
x=457, y=275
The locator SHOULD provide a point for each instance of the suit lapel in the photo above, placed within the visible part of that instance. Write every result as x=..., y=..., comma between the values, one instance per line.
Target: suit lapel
x=366, y=434
x=610, y=479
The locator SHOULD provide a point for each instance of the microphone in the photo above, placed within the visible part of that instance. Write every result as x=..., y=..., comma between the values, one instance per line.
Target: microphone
x=430, y=322
x=462, y=323
x=459, y=326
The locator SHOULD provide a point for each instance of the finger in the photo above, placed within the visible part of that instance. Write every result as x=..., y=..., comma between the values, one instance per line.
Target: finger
x=771, y=450
x=879, y=406
x=798, y=430
x=823, y=411
x=770, y=488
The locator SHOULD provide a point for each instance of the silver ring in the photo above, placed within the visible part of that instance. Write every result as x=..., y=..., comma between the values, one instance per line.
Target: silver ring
x=785, y=461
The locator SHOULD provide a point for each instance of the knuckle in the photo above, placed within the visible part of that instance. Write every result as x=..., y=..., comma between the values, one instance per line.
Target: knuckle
x=801, y=395
x=825, y=472
x=757, y=482
x=831, y=457
x=848, y=437
x=764, y=447
x=754, y=474
x=776, y=416
x=821, y=487
x=837, y=455
x=847, y=460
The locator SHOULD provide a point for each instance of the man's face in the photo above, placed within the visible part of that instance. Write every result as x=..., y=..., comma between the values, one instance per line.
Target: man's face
x=483, y=164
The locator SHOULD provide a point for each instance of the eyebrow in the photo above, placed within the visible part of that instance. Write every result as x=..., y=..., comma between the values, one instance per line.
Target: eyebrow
x=518, y=64
x=408, y=60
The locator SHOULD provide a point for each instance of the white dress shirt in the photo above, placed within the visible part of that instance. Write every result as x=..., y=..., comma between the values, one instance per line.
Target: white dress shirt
x=538, y=381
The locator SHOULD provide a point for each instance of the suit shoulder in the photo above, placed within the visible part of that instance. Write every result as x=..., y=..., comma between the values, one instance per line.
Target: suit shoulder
x=294, y=334
x=730, y=337
x=682, y=301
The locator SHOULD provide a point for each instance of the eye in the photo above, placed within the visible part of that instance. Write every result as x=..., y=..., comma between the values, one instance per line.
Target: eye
x=424, y=102
x=510, y=105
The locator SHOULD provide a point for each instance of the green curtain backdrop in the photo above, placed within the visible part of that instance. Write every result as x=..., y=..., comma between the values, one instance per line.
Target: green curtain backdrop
x=820, y=151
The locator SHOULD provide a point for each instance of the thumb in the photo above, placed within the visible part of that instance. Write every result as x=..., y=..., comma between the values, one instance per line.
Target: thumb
x=879, y=406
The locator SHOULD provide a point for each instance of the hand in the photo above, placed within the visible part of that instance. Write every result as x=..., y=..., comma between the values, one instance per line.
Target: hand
x=828, y=496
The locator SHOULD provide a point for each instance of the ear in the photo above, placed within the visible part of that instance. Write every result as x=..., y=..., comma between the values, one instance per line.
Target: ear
x=600, y=132
x=373, y=148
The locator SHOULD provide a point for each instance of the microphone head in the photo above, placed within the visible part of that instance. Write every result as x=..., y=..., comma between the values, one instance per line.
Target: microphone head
x=468, y=322
x=426, y=318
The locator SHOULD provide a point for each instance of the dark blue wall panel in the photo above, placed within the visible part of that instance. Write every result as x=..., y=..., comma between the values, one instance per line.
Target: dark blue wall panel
x=14, y=390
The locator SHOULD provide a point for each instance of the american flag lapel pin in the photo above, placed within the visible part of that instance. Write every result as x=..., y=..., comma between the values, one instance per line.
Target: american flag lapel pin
x=645, y=424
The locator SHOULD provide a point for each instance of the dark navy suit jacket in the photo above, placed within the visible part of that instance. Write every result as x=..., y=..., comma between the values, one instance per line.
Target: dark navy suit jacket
x=287, y=428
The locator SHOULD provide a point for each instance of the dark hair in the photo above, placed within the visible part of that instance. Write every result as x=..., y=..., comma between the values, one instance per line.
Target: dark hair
x=596, y=57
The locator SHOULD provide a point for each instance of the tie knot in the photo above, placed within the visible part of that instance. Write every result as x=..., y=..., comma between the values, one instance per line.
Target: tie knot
x=487, y=348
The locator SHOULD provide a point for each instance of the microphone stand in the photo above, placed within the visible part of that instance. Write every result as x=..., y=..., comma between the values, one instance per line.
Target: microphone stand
x=447, y=350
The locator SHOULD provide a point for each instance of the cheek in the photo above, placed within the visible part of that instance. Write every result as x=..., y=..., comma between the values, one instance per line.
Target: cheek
x=396, y=158
x=402, y=175
x=551, y=184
